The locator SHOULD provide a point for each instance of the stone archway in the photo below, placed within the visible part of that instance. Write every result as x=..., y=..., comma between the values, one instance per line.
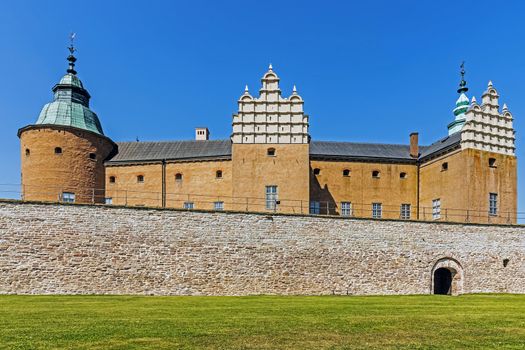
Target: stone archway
x=447, y=277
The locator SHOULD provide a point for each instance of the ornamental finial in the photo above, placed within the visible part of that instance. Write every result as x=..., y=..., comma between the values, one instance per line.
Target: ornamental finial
x=294, y=90
x=71, y=58
x=462, y=84
x=270, y=67
x=246, y=89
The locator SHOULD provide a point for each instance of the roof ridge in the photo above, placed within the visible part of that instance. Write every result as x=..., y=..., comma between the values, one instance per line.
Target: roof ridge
x=364, y=143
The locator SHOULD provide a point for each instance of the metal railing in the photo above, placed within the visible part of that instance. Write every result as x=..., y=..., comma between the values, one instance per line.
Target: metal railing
x=219, y=202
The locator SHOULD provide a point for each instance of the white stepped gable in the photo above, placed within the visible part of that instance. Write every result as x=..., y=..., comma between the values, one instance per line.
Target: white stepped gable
x=486, y=128
x=270, y=118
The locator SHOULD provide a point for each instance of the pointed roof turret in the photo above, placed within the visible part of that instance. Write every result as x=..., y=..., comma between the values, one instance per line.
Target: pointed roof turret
x=70, y=106
x=462, y=104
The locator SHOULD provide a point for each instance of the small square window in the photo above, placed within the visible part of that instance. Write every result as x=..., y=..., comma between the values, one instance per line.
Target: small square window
x=270, y=152
x=68, y=197
x=178, y=177
x=492, y=162
x=317, y=171
x=376, y=174
x=140, y=178
x=112, y=179
x=92, y=156
x=58, y=150
x=218, y=205
x=402, y=175
x=315, y=207
x=218, y=174
x=346, y=172
x=188, y=205
x=444, y=166
x=108, y=200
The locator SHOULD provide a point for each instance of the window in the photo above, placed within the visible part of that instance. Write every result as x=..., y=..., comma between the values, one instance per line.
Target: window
x=188, y=205
x=444, y=166
x=271, y=197
x=377, y=210
x=317, y=171
x=112, y=179
x=178, y=177
x=68, y=197
x=346, y=172
x=436, y=209
x=493, y=204
x=28, y=152
x=140, y=178
x=108, y=200
x=218, y=205
x=271, y=152
x=92, y=156
x=403, y=175
x=315, y=207
x=405, y=211
x=375, y=174
x=346, y=208
x=58, y=150
x=218, y=174
x=492, y=162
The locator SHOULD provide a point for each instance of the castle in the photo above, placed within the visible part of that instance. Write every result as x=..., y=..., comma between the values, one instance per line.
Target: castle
x=271, y=164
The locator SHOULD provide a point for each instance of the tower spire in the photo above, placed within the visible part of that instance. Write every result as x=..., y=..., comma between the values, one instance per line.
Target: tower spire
x=462, y=84
x=71, y=58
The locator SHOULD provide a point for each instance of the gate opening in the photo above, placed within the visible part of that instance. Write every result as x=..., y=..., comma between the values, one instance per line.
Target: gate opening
x=443, y=281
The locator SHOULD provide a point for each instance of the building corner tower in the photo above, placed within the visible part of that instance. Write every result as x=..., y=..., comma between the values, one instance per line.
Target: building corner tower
x=63, y=153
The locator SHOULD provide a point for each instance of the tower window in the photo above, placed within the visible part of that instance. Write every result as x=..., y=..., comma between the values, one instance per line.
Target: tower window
x=403, y=175
x=444, y=166
x=112, y=179
x=376, y=174
x=178, y=177
x=271, y=152
x=140, y=178
x=28, y=152
x=317, y=171
x=218, y=174
x=346, y=172
x=492, y=162
x=92, y=156
x=58, y=150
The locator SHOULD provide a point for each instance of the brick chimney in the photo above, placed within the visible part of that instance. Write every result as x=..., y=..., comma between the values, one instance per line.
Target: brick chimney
x=414, y=146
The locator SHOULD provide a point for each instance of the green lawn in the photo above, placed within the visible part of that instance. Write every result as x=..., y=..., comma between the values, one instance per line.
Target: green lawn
x=262, y=322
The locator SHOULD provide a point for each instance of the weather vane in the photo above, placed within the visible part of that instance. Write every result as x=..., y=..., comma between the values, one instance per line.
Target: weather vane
x=72, y=40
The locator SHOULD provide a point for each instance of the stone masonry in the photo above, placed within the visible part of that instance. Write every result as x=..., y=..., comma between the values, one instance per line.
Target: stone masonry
x=83, y=249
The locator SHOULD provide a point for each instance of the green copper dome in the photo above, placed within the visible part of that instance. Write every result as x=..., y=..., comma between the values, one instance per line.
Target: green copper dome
x=70, y=106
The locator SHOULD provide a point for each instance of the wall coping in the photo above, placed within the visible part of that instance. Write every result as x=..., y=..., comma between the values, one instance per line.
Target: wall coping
x=268, y=215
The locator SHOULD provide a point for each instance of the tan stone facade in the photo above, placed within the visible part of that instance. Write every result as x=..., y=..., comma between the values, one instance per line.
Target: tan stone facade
x=57, y=160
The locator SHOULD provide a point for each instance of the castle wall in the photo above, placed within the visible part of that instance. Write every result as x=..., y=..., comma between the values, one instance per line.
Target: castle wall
x=47, y=174
x=253, y=169
x=198, y=184
x=79, y=249
x=466, y=184
x=330, y=187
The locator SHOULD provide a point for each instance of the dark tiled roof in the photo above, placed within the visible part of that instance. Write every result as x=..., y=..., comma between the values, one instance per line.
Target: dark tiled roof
x=156, y=151
x=440, y=146
x=332, y=149
x=130, y=152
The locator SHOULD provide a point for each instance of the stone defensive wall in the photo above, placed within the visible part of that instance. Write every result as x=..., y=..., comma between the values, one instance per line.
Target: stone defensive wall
x=96, y=249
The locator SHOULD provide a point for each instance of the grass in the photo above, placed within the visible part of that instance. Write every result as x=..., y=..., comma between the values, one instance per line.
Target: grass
x=262, y=322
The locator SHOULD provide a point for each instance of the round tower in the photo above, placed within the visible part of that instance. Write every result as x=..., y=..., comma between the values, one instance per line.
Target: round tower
x=63, y=153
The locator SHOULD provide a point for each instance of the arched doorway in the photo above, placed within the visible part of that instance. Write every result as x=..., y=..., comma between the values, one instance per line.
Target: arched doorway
x=443, y=281
x=447, y=277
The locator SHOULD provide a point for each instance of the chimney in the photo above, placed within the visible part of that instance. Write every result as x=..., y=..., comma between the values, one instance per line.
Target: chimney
x=414, y=146
x=202, y=134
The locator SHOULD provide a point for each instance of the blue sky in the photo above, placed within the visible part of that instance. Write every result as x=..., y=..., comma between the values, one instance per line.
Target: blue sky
x=369, y=71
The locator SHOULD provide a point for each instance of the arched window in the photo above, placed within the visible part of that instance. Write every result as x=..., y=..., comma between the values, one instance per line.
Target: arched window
x=28, y=152
x=402, y=175
x=270, y=152
x=317, y=171
x=444, y=166
x=218, y=174
x=178, y=177
x=112, y=179
x=92, y=156
x=140, y=178
x=376, y=174
x=346, y=172
x=58, y=150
